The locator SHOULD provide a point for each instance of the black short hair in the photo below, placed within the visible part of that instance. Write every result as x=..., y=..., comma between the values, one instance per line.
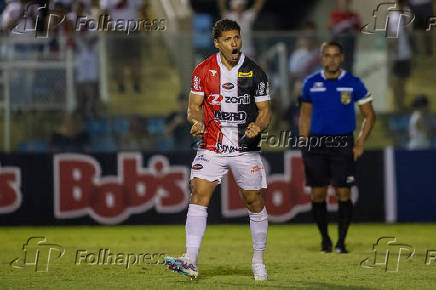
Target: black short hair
x=332, y=43
x=420, y=101
x=224, y=25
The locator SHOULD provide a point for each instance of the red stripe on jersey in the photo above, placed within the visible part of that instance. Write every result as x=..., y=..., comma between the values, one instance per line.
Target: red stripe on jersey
x=209, y=71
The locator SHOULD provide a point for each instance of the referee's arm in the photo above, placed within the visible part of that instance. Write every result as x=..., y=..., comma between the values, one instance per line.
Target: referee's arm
x=305, y=118
x=368, y=122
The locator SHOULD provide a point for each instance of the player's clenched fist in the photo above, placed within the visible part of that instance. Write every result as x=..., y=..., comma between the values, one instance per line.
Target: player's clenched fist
x=197, y=129
x=252, y=130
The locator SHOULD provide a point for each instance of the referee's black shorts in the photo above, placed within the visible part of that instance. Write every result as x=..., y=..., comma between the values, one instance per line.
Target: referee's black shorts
x=330, y=163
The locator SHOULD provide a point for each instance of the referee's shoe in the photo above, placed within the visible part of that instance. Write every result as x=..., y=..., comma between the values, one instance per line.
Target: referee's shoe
x=326, y=245
x=340, y=248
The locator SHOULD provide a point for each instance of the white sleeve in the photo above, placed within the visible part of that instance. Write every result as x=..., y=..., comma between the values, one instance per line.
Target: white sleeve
x=364, y=100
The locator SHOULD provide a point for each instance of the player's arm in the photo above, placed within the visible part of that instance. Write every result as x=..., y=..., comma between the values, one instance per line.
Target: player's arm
x=195, y=114
x=368, y=122
x=262, y=121
x=305, y=119
x=258, y=5
x=222, y=7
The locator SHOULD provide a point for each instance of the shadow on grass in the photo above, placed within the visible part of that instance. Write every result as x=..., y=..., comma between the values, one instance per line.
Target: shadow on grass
x=226, y=271
x=214, y=272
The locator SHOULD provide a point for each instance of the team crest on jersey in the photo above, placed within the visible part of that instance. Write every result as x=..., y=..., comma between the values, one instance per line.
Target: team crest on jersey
x=213, y=72
x=245, y=75
x=345, y=97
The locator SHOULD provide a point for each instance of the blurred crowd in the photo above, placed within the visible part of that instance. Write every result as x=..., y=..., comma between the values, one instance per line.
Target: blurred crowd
x=58, y=19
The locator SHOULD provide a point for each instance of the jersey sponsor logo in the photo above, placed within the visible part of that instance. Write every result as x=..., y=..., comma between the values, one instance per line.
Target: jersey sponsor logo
x=228, y=148
x=344, y=89
x=228, y=86
x=197, y=166
x=202, y=157
x=245, y=75
x=317, y=90
x=81, y=190
x=213, y=72
x=241, y=100
x=231, y=117
x=215, y=99
x=196, y=84
x=261, y=88
x=256, y=168
x=345, y=98
x=318, y=84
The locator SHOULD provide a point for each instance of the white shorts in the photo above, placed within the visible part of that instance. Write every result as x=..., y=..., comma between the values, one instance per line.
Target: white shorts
x=247, y=168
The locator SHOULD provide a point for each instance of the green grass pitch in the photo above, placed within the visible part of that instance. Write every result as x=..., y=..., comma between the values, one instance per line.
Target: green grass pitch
x=293, y=259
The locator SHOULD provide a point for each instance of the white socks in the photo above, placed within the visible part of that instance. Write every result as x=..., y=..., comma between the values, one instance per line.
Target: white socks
x=195, y=226
x=259, y=229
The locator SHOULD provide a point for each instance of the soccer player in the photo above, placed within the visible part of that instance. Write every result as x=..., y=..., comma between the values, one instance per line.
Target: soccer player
x=328, y=120
x=229, y=105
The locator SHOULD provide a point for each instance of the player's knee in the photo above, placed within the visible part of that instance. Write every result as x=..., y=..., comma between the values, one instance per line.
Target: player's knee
x=256, y=206
x=199, y=198
x=319, y=195
x=343, y=194
x=201, y=193
x=254, y=200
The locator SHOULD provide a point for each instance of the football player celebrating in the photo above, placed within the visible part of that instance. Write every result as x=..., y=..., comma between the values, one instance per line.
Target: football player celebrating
x=229, y=106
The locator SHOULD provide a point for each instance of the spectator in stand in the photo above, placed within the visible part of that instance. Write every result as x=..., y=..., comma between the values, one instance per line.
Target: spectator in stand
x=70, y=137
x=87, y=66
x=125, y=49
x=344, y=23
x=400, y=52
x=423, y=10
x=177, y=126
x=138, y=137
x=420, y=124
x=245, y=18
x=58, y=30
x=68, y=4
x=305, y=59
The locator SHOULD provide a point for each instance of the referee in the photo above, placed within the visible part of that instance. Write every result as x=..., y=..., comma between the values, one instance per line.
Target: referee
x=327, y=122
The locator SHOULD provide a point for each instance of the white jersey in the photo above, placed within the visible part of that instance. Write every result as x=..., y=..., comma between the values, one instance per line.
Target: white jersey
x=418, y=138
